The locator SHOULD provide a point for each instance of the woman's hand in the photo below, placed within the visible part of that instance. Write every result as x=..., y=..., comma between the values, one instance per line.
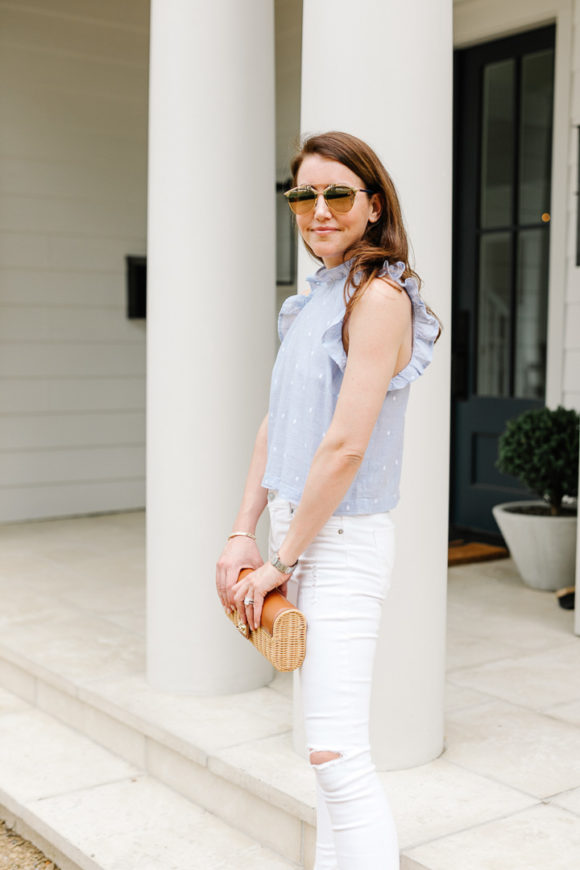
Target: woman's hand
x=239, y=552
x=256, y=586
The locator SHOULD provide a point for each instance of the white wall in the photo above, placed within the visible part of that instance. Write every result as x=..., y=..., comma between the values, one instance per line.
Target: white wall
x=73, y=156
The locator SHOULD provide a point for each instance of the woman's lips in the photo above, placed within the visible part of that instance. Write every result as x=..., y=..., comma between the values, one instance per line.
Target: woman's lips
x=323, y=231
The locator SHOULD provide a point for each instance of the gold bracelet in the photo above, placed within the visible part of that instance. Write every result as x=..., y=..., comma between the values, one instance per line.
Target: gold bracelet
x=245, y=534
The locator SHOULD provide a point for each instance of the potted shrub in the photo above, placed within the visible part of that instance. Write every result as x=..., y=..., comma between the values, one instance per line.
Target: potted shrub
x=540, y=448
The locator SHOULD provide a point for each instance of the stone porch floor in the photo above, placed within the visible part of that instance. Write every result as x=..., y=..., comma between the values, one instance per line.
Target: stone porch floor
x=504, y=795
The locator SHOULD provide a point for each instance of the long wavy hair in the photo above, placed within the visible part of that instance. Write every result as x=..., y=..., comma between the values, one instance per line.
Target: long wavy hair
x=386, y=238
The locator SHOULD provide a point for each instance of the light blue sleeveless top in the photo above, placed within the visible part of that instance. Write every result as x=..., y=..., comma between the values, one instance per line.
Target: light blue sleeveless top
x=306, y=381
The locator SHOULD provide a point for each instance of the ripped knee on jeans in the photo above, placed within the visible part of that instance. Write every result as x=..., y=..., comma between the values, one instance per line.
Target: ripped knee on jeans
x=323, y=756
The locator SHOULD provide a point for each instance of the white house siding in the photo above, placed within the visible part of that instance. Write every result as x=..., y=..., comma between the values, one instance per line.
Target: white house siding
x=73, y=156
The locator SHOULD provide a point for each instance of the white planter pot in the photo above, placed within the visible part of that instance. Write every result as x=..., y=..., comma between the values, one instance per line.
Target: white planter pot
x=543, y=547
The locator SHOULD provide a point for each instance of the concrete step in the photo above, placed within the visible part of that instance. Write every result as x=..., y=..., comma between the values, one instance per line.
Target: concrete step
x=231, y=755
x=504, y=793
x=232, y=758
x=89, y=809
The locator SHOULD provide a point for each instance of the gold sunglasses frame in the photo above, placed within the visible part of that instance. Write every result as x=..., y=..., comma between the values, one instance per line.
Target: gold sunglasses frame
x=353, y=190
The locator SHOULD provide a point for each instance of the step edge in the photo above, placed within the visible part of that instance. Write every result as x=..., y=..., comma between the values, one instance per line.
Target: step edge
x=20, y=816
x=89, y=698
x=28, y=825
x=24, y=807
x=87, y=695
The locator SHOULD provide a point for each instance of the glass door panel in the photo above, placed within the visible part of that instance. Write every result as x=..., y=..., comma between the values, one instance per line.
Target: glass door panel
x=537, y=87
x=497, y=143
x=494, y=315
x=531, y=314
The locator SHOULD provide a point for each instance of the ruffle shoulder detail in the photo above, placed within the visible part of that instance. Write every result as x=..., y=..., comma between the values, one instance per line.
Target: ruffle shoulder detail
x=425, y=328
x=425, y=331
x=332, y=341
x=291, y=308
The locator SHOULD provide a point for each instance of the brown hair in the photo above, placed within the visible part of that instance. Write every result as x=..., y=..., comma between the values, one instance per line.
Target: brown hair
x=386, y=238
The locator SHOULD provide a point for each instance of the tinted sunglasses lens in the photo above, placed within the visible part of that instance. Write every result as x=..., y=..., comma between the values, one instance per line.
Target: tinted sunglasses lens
x=301, y=201
x=340, y=199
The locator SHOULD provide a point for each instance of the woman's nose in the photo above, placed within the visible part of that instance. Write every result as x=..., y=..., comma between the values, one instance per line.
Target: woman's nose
x=320, y=207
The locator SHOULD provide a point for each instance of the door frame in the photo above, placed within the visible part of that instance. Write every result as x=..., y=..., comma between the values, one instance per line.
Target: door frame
x=473, y=23
x=557, y=242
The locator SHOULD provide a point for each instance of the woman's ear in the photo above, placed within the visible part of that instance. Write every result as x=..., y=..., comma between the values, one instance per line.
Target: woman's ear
x=376, y=208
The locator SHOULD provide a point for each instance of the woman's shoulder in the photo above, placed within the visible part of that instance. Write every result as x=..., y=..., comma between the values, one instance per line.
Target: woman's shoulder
x=385, y=287
x=391, y=275
x=425, y=324
x=383, y=299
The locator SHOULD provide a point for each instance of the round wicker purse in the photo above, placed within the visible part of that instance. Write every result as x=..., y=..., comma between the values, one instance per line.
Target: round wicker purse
x=281, y=636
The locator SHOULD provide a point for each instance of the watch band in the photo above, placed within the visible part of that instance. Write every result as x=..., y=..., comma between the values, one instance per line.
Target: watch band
x=280, y=566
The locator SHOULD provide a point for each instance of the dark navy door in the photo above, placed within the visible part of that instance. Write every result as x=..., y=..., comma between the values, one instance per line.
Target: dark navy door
x=503, y=106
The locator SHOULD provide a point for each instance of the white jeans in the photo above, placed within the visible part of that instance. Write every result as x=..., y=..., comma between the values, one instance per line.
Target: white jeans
x=340, y=583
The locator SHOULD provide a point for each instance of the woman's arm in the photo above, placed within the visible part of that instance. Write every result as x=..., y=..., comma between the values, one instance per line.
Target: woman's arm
x=378, y=326
x=241, y=552
x=255, y=497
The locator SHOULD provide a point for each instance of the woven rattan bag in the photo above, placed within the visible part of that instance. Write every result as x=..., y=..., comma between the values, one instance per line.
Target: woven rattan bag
x=281, y=636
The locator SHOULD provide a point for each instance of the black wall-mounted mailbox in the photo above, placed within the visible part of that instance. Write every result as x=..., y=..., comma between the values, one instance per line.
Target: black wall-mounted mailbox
x=136, y=287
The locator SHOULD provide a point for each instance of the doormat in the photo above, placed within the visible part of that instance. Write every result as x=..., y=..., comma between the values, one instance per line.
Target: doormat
x=463, y=552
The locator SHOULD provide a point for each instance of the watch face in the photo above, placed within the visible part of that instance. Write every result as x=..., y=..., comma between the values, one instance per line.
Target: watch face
x=279, y=565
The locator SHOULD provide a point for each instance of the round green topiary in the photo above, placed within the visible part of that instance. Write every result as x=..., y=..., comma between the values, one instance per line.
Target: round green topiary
x=541, y=449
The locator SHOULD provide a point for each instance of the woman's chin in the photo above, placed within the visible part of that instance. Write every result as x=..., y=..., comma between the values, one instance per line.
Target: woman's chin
x=326, y=248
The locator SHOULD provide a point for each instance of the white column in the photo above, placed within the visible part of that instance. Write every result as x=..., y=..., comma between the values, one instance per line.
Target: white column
x=211, y=290
x=574, y=47
x=383, y=71
x=577, y=607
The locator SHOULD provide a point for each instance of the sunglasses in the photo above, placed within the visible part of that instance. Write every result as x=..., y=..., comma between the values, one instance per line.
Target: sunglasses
x=338, y=197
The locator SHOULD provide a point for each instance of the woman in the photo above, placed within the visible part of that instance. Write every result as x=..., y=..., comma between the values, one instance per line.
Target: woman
x=327, y=463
